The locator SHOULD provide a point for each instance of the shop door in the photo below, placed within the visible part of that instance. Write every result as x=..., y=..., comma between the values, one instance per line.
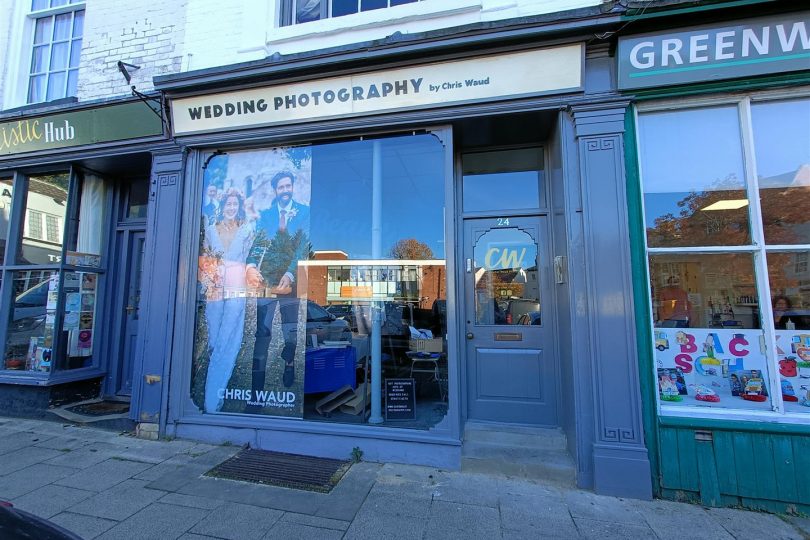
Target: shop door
x=509, y=350
x=133, y=242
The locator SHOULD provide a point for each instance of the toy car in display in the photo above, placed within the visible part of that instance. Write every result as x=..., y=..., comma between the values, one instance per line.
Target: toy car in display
x=704, y=393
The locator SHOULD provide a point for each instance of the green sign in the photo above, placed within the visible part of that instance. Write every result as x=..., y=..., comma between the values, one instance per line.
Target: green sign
x=76, y=128
x=743, y=49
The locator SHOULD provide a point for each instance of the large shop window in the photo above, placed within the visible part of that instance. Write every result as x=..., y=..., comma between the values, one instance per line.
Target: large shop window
x=727, y=216
x=53, y=267
x=320, y=266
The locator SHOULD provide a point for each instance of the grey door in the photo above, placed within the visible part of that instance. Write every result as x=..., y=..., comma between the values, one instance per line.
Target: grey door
x=510, y=355
x=133, y=263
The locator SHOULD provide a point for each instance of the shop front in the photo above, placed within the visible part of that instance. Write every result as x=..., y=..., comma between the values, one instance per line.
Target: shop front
x=75, y=195
x=722, y=234
x=380, y=253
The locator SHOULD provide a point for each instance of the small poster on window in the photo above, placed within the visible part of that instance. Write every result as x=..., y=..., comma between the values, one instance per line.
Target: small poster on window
x=71, y=320
x=89, y=281
x=86, y=321
x=73, y=302
x=88, y=301
x=76, y=258
x=85, y=340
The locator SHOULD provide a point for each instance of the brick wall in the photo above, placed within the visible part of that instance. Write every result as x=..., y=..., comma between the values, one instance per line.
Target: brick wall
x=146, y=34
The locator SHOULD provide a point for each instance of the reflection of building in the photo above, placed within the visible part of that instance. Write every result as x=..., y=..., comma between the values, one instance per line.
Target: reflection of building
x=337, y=280
x=43, y=226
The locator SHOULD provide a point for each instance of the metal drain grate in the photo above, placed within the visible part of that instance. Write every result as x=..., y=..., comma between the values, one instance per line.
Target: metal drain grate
x=280, y=469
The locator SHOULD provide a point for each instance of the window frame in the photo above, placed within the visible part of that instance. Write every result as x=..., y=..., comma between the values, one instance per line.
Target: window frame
x=27, y=56
x=287, y=17
x=757, y=248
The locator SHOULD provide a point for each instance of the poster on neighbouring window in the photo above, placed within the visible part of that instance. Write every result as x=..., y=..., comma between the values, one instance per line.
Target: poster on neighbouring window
x=712, y=367
x=793, y=358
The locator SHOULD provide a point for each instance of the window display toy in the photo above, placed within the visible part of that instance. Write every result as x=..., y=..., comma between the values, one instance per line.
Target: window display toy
x=788, y=394
x=787, y=366
x=806, y=398
x=803, y=369
x=668, y=389
x=661, y=341
x=706, y=361
x=704, y=393
x=753, y=390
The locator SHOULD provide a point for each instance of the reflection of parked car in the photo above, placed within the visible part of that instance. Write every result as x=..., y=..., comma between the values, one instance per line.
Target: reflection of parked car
x=28, y=319
x=533, y=317
x=345, y=312
x=320, y=323
x=516, y=307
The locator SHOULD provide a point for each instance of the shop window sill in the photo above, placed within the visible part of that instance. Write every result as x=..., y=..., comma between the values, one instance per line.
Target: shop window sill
x=48, y=379
x=736, y=421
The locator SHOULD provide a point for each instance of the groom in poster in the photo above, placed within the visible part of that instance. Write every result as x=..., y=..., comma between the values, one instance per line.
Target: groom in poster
x=282, y=229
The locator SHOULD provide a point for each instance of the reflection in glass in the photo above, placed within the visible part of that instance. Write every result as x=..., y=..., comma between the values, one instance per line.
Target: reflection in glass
x=6, y=196
x=704, y=291
x=44, y=221
x=782, y=149
x=138, y=198
x=506, y=278
x=92, y=218
x=30, y=332
x=790, y=299
x=693, y=177
x=307, y=10
x=315, y=263
x=502, y=180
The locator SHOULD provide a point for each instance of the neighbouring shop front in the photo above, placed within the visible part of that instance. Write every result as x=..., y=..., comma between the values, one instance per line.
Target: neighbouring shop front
x=722, y=122
x=376, y=253
x=74, y=194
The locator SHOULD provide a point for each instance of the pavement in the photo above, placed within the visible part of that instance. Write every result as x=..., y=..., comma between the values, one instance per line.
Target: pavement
x=108, y=485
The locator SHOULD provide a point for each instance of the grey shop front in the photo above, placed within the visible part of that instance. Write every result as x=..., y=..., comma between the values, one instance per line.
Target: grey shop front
x=374, y=254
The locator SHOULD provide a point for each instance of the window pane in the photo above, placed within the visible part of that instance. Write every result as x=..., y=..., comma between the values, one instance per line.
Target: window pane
x=56, y=86
x=75, y=52
x=6, y=196
x=30, y=337
x=89, y=238
x=782, y=147
x=502, y=180
x=42, y=30
x=693, y=177
x=78, y=24
x=307, y=10
x=62, y=26
x=73, y=81
x=138, y=200
x=79, y=320
x=307, y=213
x=59, y=55
x=35, y=225
x=39, y=59
x=367, y=5
x=39, y=4
x=57, y=3
x=47, y=195
x=400, y=2
x=708, y=344
x=36, y=89
x=343, y=7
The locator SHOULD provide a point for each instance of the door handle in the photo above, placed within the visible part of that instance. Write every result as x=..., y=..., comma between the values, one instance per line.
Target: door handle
x=470, y=335
x=130, y=309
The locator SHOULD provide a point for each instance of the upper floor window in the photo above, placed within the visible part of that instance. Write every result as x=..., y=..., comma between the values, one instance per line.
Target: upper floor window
x=56, y=46
x=302, y=11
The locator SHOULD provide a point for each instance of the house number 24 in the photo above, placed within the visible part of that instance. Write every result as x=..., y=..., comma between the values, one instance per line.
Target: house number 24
x=503, y=222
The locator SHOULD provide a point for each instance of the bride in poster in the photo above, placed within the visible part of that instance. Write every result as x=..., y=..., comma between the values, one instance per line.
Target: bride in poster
x=226, y=244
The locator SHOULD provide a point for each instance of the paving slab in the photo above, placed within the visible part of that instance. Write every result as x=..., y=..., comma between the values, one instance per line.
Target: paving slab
x=156, y=521
x=667, y=519
x=25, y=480
x=551, y=531
x=87, y=527
x=410, y=504
x=586, y=505
x=119, y=502
x=235, y=521
x=462, y=521
x=348, y=496
x=605, y=530
x=801, y=523
x=191, y=501
x=468, y=489
x=17, y=440
x=104, y=475
x=62, y=442
x=50, y=500
x=272, y=497
x=296, y=531
x=540, y=511
x=370, y=526
x=24, y=457
x=84, y=456
x=744, y=524
x=315, y=521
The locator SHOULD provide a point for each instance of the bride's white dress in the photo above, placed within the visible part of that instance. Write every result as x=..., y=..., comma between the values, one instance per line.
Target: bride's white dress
x=225, y=311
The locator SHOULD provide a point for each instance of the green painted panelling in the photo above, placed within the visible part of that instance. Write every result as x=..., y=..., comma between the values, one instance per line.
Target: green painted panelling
x=726, y=464
x=764, y=469
x=745, y=463
x=687, y=459
x=801, y=457
x=709, y=488
x=734, y=425
x=670, y=471
x=784, y=466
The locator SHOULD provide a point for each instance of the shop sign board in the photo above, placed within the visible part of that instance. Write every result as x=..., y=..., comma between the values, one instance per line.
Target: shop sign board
x=746, y=48
x=526, y=73
x=76, y=128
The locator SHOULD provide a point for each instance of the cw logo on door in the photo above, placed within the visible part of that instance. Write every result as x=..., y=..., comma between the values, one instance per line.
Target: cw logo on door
x=506, y=257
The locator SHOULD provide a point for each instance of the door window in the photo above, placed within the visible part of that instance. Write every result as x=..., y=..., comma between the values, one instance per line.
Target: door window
x=502, y=180
x=506, y=277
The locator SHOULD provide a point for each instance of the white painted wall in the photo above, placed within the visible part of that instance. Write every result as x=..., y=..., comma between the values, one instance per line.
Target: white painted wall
x=169, y=36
